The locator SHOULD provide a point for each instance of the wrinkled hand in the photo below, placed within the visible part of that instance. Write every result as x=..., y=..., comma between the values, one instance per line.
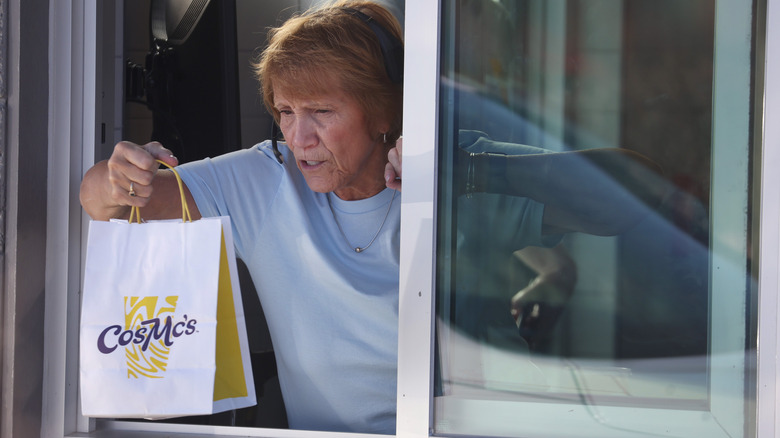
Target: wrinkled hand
x=132, y=168
x=393, y=167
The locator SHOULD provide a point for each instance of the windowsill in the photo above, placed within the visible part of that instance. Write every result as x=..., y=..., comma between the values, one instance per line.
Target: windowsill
x=128, y=429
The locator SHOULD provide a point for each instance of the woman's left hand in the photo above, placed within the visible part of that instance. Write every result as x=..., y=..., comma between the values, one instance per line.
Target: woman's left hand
x=393, y=167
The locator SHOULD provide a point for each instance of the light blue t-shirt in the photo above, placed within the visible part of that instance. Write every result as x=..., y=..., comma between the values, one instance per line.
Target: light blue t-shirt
x=332, y=313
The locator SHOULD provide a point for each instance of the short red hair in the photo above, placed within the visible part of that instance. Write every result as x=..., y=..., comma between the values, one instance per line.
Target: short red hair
x=331, y=48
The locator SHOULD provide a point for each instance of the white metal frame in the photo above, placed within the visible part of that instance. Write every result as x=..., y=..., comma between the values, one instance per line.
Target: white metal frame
x=768, y=391
x=73, y=54
x=71, y=135
x=415, y=308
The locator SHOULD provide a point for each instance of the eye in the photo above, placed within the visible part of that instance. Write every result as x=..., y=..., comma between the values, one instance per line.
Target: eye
x=322, y=111
x=285, y=112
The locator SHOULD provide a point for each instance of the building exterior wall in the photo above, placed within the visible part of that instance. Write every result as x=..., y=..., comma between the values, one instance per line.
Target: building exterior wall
x=30, y=189
x=25, y=157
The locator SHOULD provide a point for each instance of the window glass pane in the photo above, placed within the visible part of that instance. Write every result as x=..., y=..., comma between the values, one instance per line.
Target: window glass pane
x=593, y=245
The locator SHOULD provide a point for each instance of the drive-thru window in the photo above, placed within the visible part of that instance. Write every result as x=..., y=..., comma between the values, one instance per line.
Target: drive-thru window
x=665, y=328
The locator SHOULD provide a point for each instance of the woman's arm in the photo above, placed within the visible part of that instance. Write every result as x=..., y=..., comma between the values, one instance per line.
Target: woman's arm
x=106, y=188
x=597, y=191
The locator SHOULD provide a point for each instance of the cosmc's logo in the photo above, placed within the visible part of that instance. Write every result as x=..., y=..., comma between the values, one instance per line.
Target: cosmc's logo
x=147, y=335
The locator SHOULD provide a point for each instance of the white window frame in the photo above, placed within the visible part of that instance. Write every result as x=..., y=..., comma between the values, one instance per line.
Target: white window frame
x=768, y=366
x=72, y=134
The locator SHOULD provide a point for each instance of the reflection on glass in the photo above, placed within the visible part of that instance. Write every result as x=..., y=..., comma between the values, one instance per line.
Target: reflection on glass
x=640, y=328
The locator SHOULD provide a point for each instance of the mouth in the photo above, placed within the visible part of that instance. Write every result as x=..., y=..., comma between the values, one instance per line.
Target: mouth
x=309, y=164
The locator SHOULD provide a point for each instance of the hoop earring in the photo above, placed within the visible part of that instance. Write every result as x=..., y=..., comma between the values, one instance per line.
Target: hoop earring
x=384, y=137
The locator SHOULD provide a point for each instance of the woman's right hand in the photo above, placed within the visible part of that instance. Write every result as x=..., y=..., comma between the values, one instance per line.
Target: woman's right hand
x=132, y=169
x=108, y=187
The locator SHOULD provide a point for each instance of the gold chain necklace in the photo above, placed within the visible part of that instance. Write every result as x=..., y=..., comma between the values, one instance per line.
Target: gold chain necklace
x=359, y=249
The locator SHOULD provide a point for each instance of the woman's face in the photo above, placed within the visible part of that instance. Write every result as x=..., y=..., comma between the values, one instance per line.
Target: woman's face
x=329, y=136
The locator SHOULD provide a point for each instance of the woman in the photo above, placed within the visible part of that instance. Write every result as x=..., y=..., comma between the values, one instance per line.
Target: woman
x=318, y=230
x=317, y=222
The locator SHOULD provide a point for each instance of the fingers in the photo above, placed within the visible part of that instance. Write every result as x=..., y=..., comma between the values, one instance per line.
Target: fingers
x=393, y=166
x=160, y=153
x=131, y=170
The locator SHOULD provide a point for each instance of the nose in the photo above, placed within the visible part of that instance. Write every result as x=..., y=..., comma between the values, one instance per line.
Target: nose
x=300, y=133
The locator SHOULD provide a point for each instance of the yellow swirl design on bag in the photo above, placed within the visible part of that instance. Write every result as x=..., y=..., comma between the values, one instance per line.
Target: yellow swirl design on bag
x=153, y=361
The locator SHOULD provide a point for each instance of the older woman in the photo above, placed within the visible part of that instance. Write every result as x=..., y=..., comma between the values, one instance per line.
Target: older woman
x=317, y=226
x=317, y=219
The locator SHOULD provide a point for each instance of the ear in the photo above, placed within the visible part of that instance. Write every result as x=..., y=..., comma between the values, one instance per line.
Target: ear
x=383, y=127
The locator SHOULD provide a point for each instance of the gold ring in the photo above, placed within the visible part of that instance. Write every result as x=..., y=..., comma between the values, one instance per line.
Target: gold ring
x=131, y=192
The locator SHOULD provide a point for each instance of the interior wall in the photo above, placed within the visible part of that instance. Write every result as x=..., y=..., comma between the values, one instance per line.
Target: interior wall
x=253, y=20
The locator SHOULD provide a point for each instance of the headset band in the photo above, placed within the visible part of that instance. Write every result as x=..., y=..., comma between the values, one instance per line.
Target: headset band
x=392, y=48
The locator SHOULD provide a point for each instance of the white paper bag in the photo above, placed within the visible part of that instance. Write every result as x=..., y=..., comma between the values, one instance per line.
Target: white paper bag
x=162, y=323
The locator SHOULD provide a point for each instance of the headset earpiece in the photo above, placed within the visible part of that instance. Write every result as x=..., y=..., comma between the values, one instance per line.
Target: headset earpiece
x=275, y=134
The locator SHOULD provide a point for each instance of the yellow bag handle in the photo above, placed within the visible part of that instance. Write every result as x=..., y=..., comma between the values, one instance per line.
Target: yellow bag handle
x=185, y=211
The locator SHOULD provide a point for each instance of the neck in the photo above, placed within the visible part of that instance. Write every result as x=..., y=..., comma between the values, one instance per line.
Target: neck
x=350, y=194
x=364, y=186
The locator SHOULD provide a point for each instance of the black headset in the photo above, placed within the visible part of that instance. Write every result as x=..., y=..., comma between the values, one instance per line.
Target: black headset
x=392, y=48
x=392, y=53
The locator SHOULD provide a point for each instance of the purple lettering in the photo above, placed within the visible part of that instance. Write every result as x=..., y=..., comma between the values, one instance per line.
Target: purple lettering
x=158, y=332
x=191, y=327
x=143, y=335
x=177, y=331
x=101, y=342
x=126, y=337
x=140, y=335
